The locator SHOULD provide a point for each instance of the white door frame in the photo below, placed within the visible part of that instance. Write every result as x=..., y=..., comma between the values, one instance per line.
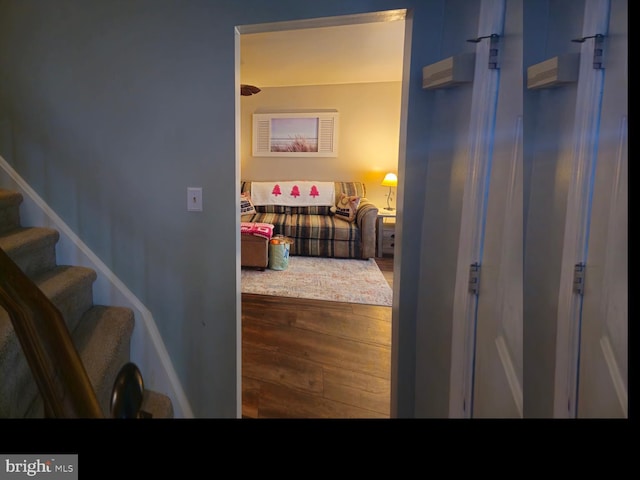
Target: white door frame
x=481, y=130
x=576, y=233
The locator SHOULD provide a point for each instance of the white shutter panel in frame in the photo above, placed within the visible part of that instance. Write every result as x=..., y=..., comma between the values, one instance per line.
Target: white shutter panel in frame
x=327, y=134
x=260, y=135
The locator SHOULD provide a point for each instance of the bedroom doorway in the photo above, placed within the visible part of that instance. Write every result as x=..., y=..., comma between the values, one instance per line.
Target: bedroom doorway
x=259, y=169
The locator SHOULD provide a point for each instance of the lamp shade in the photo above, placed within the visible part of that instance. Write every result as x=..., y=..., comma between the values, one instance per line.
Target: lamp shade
x=390, y=180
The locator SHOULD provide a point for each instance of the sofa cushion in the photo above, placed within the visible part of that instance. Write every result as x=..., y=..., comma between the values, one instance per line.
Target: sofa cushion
x=321, y=227
x=311, y=210
x=272, y=209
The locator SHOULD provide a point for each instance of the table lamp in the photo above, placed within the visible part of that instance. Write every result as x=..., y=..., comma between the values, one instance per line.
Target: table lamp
x=390, y=180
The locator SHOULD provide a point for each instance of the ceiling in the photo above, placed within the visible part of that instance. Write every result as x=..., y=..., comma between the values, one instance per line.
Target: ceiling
x=335, y=54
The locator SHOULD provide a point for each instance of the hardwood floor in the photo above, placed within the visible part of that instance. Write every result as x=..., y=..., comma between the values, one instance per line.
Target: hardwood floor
x=315, y=359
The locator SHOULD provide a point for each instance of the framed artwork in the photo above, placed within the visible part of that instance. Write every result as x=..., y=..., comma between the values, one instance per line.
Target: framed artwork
x=295, y=134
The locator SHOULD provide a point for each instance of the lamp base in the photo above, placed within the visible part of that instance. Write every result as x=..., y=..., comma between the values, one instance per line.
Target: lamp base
x=389, y=207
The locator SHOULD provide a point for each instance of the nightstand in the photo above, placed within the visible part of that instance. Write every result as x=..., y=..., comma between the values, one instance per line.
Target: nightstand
x=385, y=232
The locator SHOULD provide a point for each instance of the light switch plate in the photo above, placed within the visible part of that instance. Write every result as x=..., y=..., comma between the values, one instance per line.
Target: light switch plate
x=194, y=199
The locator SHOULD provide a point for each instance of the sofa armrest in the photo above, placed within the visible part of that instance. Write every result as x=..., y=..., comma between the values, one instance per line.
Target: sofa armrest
x=366, y=218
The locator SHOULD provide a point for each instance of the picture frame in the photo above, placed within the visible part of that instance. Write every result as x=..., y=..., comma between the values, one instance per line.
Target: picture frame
x=295, y=134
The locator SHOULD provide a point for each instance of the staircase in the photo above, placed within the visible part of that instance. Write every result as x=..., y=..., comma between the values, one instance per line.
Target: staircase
x=101, y=334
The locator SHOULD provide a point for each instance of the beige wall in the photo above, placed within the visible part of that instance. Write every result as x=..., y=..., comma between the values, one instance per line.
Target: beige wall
x=368, y=135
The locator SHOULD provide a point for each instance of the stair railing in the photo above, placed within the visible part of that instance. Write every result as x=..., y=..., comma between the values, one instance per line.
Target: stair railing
x=54, y=361
x=47, y=345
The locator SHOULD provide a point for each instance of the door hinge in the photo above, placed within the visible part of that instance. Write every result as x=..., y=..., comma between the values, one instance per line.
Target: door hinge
x=598, y=52
x=494, y=52
x=578, y=278
x=474, y=278
x=494, y=49
x=598, y=49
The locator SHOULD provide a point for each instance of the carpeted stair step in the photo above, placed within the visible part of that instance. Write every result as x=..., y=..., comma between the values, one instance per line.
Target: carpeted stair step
x=9, y=209
x=157, y=404
x=70, y=290
x=103, y=339
x=32, y=248
x=102, y=334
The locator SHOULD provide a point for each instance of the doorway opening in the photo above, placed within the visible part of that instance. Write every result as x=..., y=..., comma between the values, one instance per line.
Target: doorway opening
x=301, y=64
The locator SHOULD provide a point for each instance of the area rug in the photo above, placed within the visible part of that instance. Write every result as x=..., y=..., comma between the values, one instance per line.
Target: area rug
x=337, y=280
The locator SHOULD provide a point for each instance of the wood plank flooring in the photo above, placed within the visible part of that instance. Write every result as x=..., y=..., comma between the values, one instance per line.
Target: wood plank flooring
x=315, y=359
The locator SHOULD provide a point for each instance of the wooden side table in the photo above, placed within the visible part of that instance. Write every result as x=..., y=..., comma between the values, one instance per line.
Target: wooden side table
x=385, y=232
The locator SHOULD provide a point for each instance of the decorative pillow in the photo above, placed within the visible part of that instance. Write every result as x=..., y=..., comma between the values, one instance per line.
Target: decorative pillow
x=347, y=207
x=246, y=205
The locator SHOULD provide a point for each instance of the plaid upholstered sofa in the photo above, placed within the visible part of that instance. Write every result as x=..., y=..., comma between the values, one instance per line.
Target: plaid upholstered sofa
x=317, y=231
